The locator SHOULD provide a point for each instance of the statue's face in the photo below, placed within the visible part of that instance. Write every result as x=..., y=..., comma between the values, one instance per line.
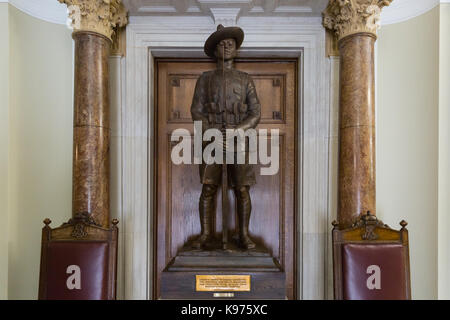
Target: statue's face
x=226, y=49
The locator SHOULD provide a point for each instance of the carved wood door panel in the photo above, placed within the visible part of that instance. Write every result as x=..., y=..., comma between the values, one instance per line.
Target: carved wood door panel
x=178, y=187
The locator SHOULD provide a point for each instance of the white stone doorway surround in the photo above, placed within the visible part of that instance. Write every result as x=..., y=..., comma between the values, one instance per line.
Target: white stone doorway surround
x=132, y=151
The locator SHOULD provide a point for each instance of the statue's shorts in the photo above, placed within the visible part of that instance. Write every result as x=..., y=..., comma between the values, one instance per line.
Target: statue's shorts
x=238, y=174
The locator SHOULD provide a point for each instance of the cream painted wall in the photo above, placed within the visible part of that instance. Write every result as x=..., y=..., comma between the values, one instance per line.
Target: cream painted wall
x=40, y=167
x=4, y=147
x=407, y=140
x=444, y=152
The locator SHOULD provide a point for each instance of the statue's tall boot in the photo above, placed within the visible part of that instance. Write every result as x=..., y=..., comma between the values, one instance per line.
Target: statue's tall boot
x=244, y=209
x=206, y=208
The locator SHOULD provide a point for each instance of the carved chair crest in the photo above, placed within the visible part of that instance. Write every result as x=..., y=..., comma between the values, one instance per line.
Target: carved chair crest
x=368, y=223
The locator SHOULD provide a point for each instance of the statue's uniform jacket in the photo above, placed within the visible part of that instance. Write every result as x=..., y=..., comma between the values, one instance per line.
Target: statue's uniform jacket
x=243, y=112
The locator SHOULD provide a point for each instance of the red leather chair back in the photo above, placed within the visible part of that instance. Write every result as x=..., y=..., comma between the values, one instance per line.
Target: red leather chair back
x=371, y=262
x=363, y=263
x=78, y=262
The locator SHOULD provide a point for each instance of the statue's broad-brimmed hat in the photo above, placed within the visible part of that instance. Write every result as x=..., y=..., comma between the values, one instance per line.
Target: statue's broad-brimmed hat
x=222, y=33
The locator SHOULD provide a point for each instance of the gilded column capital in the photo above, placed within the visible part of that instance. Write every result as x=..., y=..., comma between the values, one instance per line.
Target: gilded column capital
x=100, y=16
x=346, y=17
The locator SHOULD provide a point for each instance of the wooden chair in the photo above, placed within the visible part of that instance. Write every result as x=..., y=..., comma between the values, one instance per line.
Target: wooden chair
x=78, y=261
x=371, y=261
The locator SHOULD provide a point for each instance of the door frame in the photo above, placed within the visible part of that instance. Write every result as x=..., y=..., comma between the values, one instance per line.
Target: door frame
x=159, y=37
x=246, y=58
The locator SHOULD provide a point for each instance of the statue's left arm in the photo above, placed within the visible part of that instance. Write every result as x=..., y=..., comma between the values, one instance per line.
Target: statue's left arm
x=198, y=108
x=254, y=108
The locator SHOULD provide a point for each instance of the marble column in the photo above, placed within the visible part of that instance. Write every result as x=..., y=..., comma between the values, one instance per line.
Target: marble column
x=93, y=22
x=354, y=23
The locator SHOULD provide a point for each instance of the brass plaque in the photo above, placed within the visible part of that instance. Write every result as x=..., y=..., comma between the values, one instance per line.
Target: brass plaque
x=222, y=283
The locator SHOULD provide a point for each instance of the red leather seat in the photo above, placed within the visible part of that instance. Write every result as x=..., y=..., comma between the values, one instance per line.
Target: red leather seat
x=371, y=261
x=78, y=260
x=360, y=262
x=91, y=258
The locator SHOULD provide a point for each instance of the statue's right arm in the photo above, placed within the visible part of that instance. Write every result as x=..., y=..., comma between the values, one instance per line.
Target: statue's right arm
x=198, y=107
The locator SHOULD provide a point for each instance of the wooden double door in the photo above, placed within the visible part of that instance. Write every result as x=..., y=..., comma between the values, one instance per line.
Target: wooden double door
x=178, y=187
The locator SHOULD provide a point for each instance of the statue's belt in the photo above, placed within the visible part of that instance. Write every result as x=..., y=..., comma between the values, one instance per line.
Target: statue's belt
x=237, y=113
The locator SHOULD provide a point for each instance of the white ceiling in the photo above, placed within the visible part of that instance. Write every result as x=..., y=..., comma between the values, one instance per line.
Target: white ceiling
x=55, y=12
x=238, y=8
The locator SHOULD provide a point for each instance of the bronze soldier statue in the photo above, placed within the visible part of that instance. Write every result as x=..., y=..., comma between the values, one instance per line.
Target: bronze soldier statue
x=225, y=98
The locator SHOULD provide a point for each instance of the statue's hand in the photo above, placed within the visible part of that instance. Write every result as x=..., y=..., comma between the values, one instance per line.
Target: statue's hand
x=229, y=143
x=226, y=142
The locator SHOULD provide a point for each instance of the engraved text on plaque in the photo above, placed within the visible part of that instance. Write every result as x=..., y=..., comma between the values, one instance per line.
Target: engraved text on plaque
x=222, y=283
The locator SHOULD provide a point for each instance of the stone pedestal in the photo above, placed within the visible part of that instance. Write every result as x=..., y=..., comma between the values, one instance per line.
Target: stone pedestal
x=218, y=274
